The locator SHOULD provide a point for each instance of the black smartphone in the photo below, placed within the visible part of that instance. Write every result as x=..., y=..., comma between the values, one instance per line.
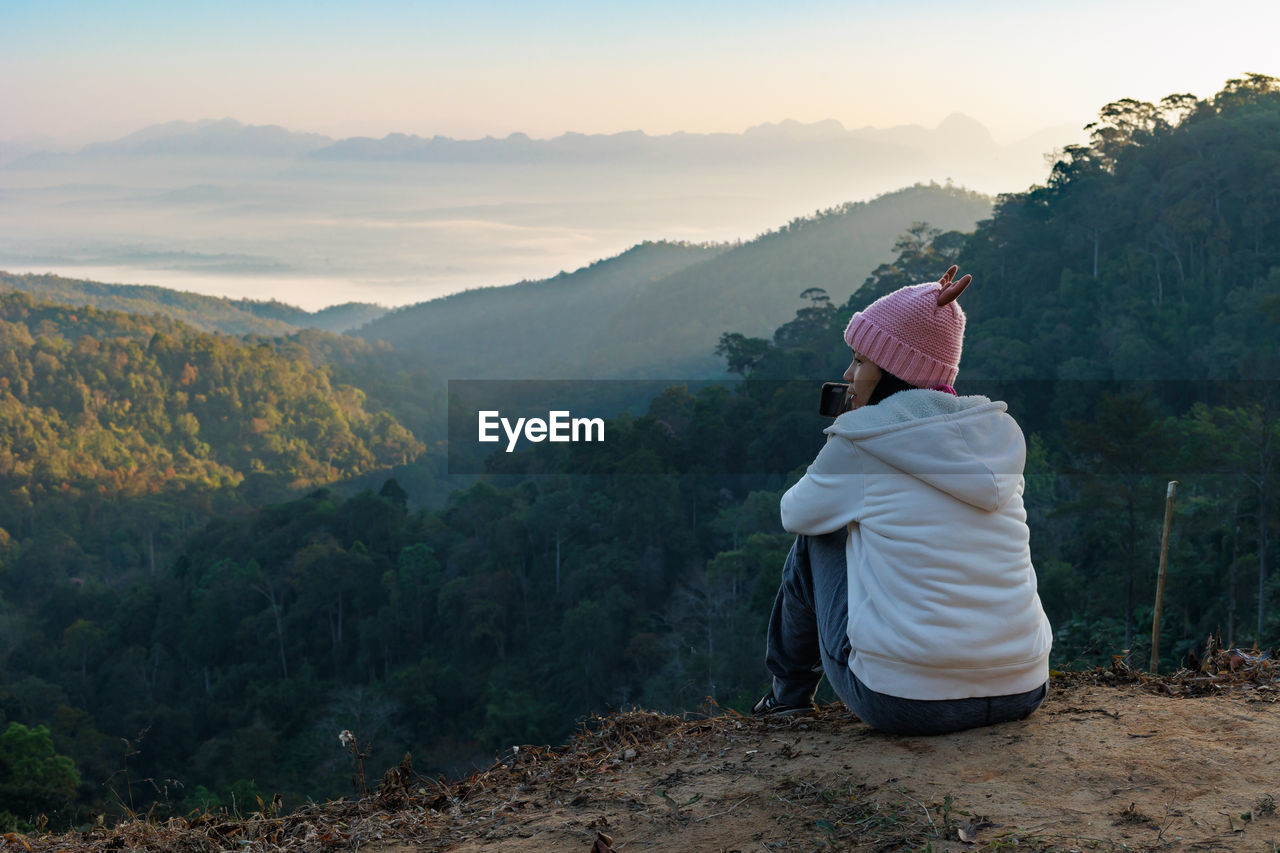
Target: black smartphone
x=835, y=399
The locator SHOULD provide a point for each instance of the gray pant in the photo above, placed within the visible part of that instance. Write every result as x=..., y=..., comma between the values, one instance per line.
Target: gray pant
x=808, y=635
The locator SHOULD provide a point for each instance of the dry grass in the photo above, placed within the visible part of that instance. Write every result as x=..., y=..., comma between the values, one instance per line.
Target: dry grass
x=1219, y=672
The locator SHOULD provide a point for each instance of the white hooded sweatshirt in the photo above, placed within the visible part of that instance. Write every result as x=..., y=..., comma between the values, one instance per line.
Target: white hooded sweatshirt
x=942, y=593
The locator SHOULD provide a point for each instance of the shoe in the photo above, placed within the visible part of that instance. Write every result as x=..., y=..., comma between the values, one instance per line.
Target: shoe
x=769, y=707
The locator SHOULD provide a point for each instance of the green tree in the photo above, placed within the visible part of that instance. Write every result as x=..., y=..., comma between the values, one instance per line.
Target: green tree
x=1118, y=457
x=1245, y=440
x=34, y=779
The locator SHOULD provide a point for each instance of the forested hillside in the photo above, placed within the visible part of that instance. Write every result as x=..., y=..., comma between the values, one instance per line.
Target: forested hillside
x=1127, y=310
x=1152, y=253
x=657, y=310
x=120, y=431
x=206, y=313
x=527, y=330
x=756, y=286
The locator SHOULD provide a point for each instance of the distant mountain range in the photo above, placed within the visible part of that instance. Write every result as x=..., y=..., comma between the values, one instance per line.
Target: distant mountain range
x=957, y=139
x=224, y=137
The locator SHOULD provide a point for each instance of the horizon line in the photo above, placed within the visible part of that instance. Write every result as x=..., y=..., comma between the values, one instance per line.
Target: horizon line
x=32, y=138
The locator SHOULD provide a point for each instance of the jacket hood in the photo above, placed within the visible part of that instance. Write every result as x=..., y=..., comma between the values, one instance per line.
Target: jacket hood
x=968, y=447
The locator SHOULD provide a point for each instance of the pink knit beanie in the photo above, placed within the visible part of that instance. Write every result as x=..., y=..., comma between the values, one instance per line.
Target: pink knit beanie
x=910, y=335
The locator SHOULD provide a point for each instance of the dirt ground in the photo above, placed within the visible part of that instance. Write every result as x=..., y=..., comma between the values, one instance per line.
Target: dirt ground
x=1097, y=767
x=1111, y=761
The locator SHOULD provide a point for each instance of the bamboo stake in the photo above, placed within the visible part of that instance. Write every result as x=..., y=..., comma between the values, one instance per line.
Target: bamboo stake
x=1164, y=562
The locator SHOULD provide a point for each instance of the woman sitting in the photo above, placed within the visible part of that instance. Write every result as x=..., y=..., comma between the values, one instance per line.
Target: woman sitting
x=910, y=583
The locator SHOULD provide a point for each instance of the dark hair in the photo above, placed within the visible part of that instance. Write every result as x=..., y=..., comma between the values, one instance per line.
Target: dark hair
x=887, y=387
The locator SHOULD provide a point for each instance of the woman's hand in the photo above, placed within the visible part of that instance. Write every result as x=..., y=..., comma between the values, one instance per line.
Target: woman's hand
x=951, y=289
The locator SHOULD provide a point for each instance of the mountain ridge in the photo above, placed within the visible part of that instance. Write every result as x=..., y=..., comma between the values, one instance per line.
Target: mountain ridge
x=666, y=319
x=206, y=313
x=231, y=137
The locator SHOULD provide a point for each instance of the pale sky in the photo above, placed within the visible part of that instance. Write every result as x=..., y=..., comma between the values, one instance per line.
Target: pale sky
x=84, y=70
